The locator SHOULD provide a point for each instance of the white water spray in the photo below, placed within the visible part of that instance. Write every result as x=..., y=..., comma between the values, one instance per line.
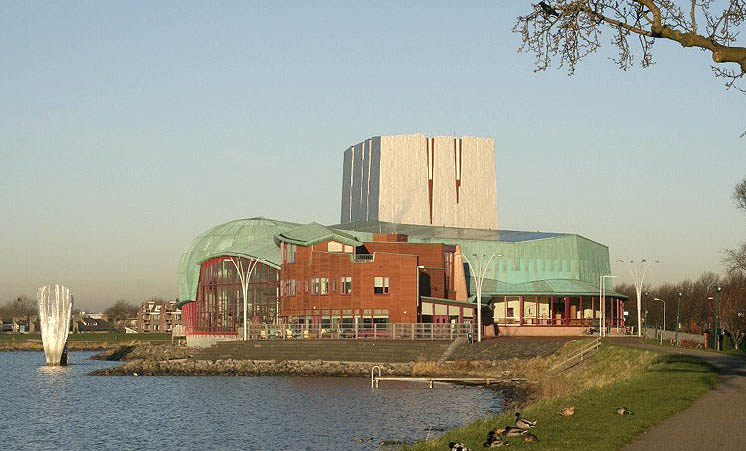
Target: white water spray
x=55, y=310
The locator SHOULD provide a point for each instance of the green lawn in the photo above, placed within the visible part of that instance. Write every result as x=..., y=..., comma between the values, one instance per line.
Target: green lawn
x=671, y=384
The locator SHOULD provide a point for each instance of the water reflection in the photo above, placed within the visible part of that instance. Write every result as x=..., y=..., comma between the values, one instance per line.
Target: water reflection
x=62, y=407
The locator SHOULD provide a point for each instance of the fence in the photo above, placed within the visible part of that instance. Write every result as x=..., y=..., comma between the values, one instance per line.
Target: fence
x=392, y=331
x=670, y=336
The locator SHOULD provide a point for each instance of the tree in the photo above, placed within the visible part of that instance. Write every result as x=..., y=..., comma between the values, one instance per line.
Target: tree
x=121, y=310
x=736, y=258
x=733, y=307
x=570, y=30
x=21, y=306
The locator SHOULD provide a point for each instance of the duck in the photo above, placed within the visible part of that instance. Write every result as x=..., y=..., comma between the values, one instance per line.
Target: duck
x=529, y=437
x=567, y=411
x=494, y=440
x=457, y=446
x=510, y=431
x=623, y=411
x=523, y=423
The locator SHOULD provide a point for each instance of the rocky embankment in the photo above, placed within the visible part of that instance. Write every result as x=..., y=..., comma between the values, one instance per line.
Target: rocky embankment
x=231, y=367
x=139, y=351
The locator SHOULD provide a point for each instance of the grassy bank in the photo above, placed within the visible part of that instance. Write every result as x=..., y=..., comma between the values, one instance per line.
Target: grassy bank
x=654, y=386
x=81, y=341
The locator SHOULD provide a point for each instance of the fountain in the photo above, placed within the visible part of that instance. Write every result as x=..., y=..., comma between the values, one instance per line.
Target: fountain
x=55, y=309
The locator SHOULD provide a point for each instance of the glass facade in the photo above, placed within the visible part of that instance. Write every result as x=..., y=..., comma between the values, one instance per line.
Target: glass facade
x=219, y=303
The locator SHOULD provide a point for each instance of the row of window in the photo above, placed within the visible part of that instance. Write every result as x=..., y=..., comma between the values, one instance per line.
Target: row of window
x=320, y=285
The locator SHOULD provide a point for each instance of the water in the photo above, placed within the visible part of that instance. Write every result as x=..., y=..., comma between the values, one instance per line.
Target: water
x=63, y=408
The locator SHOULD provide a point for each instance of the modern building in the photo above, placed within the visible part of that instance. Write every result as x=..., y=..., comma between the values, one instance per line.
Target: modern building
x=158, y=316
x=414, y=179
x=412, y=269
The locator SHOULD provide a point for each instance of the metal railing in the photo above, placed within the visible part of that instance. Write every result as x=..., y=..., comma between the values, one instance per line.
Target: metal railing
x=384, y=331
x=578, y=357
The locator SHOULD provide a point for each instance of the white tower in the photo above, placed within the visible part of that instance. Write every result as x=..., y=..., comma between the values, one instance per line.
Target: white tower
x=414, y=179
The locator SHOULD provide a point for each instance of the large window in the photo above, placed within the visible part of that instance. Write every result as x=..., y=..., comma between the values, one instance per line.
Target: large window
x=315, y=285
x=380, y=285
x=219, y=303
x=345, y=284
x=324, y=285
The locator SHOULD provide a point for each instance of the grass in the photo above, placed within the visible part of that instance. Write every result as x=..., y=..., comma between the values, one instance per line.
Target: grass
x=654, y=388
x=669, y=344
x=103, y=337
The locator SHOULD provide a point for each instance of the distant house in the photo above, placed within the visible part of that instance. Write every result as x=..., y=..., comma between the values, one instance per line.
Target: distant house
x=158, y=317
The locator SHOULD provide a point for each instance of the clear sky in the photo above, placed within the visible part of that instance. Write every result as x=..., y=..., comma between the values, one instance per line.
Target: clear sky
x=128, y=128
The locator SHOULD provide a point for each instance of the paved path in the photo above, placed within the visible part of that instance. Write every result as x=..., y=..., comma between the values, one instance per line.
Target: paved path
x=716, y=421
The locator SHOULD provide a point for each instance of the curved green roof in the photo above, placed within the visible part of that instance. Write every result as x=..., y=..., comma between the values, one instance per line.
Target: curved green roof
x=251, y=237
x=313, y=233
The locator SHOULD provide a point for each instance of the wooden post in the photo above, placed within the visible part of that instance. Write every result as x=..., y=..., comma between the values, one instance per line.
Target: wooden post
x=567, y=310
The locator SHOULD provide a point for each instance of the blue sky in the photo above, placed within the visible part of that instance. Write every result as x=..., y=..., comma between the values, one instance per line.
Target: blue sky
x=126, y=129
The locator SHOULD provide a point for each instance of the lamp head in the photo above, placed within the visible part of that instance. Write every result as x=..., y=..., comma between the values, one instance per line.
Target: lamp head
x=679, y=294
x=646, y=293
x=718, y=288
x=657, y=299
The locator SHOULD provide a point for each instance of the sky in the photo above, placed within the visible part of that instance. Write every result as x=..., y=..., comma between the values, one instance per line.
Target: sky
x=127, y=129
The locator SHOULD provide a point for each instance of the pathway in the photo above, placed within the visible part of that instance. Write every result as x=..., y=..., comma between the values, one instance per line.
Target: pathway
x=716, y=421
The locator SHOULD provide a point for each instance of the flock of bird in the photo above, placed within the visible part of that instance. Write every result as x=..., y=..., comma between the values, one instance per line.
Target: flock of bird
x=496, y=437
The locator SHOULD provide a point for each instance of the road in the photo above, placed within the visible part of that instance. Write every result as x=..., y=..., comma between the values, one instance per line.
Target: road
x=716, y=421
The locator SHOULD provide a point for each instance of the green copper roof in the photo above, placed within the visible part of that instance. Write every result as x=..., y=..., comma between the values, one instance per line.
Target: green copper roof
x=313, y=233
x=244, y=237
x=557, y=287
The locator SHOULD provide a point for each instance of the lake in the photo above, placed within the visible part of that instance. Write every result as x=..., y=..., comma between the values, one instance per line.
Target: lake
x=64, y=408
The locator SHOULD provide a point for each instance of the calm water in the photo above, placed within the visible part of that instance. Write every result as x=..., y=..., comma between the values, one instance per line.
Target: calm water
x=63, y=408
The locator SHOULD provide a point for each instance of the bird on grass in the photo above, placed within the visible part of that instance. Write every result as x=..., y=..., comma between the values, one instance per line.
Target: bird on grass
x=623, y=411
x=494, y=440
x=510, y=431
x=456, y=446
x=529, y=437
x=567, y=411
x=523, y=423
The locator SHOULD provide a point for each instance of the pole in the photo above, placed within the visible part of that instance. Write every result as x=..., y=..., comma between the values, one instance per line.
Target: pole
x=678, y=310
x=638, y=276
x=719, y=289
x=479, y=280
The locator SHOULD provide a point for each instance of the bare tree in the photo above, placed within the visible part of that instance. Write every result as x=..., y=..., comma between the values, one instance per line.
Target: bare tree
x=733, y=307
x=121, y=310
x=570, y=30
x=736, y=258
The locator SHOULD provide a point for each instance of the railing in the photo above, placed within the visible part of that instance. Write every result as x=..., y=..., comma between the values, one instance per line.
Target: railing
x=578, y=357
x=363, y=258
x=392, y=331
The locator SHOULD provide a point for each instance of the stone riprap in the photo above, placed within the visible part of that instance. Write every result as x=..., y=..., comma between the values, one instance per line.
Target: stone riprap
x=231, y=367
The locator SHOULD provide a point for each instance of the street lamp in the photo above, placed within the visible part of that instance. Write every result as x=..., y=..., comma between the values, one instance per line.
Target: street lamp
x=479, y=280
x=664, y=316
x=244, y=275
x=638, y=272
x=719, y=289
x=678, y=310
x=602, y=299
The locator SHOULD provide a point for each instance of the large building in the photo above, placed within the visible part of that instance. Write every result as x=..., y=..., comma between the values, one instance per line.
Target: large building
x=370, y=272
x=414, y=179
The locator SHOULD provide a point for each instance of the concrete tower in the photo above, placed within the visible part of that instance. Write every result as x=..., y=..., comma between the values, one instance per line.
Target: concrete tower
x=414, y=179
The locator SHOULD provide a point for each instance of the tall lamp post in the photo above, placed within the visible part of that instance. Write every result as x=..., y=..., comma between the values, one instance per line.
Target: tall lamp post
x=638, y=271
x=602, y=300
x=664, y=316
x=719, y=289
x=478, y=275
x=678, y=310
x=244, y=275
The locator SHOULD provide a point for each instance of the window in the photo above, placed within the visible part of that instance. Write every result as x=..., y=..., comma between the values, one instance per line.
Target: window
x=315, y=285
x=335, y=247
x=324, y=285
x=380, y=285
x=345, y=285
x=292, y=287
